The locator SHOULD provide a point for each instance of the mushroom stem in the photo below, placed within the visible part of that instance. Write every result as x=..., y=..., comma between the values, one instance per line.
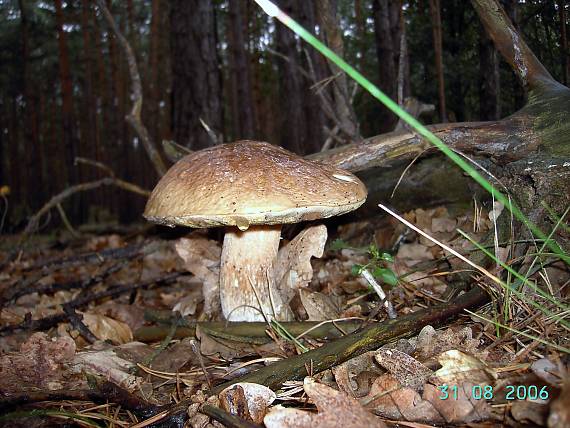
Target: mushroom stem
x=247, y=285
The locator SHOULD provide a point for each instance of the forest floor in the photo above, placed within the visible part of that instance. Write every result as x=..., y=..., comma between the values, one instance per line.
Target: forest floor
x=88, y=336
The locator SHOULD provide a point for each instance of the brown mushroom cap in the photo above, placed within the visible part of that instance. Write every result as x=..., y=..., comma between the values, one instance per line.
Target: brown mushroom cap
x=249, y=182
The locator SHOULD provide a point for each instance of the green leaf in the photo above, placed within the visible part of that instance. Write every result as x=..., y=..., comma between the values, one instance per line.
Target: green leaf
x=356, y=270
x=338, y=244
x=386, y=275
x=387, y=257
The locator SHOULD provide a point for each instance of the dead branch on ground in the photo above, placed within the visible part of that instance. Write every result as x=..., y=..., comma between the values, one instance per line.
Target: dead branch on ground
x=82, y=300
x=82, y=187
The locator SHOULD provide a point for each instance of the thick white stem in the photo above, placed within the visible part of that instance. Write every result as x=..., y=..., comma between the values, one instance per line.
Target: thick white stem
x=247, y=284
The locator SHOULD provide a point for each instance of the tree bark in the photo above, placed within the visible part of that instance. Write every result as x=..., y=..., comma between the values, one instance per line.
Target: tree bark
x=153, y=82
x=243, y=115
x=342, y=105
x=387, y=34
x=437, y=45
x=89, y=107
x=32, y=170
x=196, y=77
x=564, y=54
x=67, y=120
x=489, y=79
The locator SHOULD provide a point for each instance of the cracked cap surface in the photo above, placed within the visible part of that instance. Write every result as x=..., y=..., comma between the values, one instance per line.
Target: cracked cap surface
x=250, y=183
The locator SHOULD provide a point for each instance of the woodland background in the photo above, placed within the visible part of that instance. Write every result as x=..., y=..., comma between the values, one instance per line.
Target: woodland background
x=65, y=83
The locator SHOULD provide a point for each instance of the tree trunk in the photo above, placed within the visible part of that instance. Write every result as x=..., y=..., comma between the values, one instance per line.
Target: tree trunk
x=564, y=54
x=489, y=79
x=89, y=106
x=342, y=106
x=153, y=82
x=67, y=136
x=243, y=116
x=437, y=44
x=196, y=77
x=32, y=183
x=387, y=34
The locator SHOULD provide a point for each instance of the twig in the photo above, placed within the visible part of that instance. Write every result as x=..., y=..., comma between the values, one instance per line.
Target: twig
x=52, y=320
x=76, y=321
x=225, y=418
x=215, y=139
x=96, y=164
x=66, y=222
x=29, y=285
x=166, y=341
x=378, y=289
x=82, y=187
x=98, y=257
x=134, y=117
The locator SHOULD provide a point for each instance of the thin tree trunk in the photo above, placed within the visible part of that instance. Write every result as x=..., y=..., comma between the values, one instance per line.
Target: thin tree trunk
x=32, y=184
x=328, y=20
x=437, y=44
x=360, y=32
x=243, y=116
x=489, y=79
x=196, y=77
x=67, y=136
x=387, y=35
x=563, y=42
x=292, y=118
x=89, y=105
x=153, y=99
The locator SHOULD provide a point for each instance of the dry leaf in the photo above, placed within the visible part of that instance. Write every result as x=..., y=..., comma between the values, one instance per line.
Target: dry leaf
x=526, y=412
x=161, y=259
x=105, y=328
x=406, y=369
x=132, y=315
x=356, y=376
x=293, y=269
x=319, y=307
x=546, y=370
x=431, y=342
x=226, y=349
x=459, y=408
x=335, y=410
x=443, y=224
x=413, y=253
x=201, y=257
x=391, y=400
x=457, y=367
x=560, y=409
x=251, y=396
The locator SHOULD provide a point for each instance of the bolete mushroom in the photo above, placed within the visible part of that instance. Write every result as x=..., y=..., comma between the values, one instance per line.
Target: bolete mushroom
x=252, y=188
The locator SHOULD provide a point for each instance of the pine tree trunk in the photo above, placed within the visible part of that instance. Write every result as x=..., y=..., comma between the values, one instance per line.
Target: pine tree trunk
x=489, y=79
x=437, y=44
x=387, y=35
x=67, y=137
x=90, y=135
x=196, y=77
x=153, y=99
x=243, y=116
x=31, y=169
x=564, y=54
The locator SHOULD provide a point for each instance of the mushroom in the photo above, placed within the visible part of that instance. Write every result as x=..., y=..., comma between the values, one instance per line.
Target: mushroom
x=251, y=188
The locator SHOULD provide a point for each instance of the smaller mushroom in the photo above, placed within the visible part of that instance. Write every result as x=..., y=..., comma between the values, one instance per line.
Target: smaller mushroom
x=252, y=188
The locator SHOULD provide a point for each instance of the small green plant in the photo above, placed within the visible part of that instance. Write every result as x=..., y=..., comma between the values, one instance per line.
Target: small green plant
x=378, y=266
